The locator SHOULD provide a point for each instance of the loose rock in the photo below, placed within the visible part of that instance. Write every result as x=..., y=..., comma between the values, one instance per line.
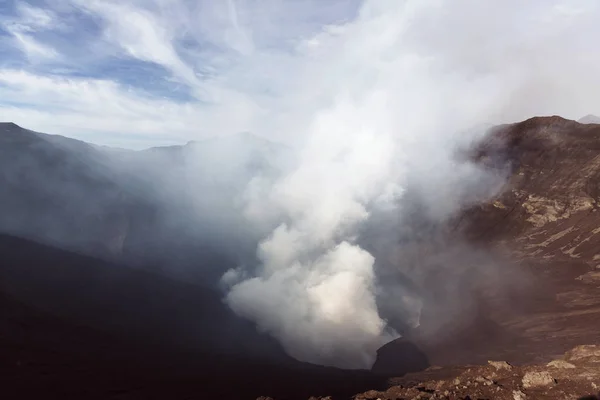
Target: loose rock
x=584, y=352
x=537, y=379
x=500, y=365
x=560, y=364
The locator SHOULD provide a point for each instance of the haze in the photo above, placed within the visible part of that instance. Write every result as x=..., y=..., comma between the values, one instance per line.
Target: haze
x=374, y=98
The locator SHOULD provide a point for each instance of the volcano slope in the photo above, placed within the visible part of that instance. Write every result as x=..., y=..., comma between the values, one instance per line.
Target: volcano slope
x=75, y=327
x=533, y=294
x=511, y=279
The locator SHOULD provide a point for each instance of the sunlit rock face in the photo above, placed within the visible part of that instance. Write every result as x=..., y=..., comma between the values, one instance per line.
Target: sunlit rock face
x=537, y=240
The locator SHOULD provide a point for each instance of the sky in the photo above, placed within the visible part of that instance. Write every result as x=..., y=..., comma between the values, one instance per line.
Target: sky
x=139, y=73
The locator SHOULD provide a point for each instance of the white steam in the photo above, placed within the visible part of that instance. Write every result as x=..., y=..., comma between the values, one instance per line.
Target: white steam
x=315, y=289
x=380, y=100
x=371, y=92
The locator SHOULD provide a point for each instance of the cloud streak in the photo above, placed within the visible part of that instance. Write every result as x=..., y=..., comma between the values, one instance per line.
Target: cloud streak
x=219, y=60
x=251, y=59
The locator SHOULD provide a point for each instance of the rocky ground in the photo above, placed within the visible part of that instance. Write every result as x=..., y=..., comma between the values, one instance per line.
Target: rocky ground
x=534, y=294
x=575, y=375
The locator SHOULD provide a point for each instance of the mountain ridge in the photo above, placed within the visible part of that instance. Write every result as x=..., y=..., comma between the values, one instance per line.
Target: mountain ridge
x=514, y=277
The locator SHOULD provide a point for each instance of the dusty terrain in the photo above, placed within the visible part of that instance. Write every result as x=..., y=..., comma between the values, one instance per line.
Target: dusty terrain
x=527, y=297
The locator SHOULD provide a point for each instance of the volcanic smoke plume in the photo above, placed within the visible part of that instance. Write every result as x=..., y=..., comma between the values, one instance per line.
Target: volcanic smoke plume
x=380, y=105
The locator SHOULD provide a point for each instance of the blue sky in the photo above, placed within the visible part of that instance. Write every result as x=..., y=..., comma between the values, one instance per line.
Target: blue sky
x=136, y=73
x=100, y=69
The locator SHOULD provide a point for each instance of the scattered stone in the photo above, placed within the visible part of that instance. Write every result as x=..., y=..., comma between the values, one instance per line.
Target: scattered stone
x=502, y=381
x=560, y=364
x=484, y=380
x=440, y=384
x=370, y=395
x=583, y=352
x=590, y=277
x=537, y=379
x=500, y=365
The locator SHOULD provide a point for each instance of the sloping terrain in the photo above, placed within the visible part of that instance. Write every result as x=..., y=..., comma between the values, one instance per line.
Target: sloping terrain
x=144, y=307
x=542, y=297
x=161, y=208
x=547, y=220
x=514, y=279
x=575, y=375
x=60, y=191
x=73, y=327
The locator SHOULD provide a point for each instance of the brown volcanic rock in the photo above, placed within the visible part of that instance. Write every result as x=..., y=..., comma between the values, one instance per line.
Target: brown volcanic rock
x=542, y=232
x=580, y=377
x=547, y=217
x=546, y=225
x=555, y=166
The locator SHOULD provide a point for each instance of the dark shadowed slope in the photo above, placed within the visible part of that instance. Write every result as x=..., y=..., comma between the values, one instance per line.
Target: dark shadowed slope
x=127, y=302
x=63, y=192
x=162, y=207
x=73, y=327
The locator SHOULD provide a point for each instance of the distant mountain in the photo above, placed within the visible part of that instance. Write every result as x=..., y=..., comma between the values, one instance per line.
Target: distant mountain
x=61, y=191
x=589, y=119
x=512, y=278
x=166, y=205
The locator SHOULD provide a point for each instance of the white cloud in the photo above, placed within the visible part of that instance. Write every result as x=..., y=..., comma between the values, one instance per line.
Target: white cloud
x=70, y=106
x=142, y=35
x=35, y=18
x=232, y=72
x=270, y=63
x=378, y=102
x=32, y=48
x=29, y=21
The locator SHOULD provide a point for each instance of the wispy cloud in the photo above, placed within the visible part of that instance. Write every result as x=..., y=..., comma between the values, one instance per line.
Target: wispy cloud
x=28, y=22
x=160, y=67
x=193, y=68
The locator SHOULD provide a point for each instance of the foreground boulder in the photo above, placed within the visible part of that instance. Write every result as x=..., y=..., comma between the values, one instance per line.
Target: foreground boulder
x=574, y=376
